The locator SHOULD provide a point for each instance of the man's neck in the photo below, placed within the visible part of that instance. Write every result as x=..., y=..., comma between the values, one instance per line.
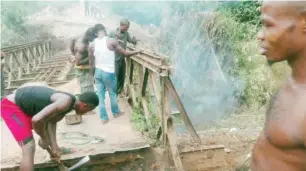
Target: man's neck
x=298, y=66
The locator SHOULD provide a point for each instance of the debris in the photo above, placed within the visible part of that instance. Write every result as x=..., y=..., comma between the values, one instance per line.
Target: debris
x=227, y=150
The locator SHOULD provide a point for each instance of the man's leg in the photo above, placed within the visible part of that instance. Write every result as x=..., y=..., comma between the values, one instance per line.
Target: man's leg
x=87, y=81
x=101, y=94
x=120, y=74
x=123, y=71
x=110, y=82
x=27, y=161
x=20, y=125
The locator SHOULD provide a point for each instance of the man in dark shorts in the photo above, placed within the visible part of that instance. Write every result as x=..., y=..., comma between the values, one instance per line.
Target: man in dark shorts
x=40, y=108
x=282, y=144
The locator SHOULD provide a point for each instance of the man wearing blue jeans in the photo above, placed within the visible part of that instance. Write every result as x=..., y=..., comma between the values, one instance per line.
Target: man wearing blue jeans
x=102, y=68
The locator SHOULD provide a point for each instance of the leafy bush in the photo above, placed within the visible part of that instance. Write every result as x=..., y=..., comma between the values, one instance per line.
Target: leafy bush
x=243, y=11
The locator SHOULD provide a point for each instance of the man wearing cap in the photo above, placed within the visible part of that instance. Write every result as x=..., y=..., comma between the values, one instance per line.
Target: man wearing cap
x=121, y=34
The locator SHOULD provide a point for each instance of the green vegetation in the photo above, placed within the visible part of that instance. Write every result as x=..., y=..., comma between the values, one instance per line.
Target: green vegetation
x=14, y=29
x=139, y=121
x=259, y=81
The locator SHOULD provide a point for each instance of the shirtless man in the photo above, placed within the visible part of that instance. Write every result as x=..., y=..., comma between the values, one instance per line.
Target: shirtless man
x=282, y=144
x=79, y=49
x=40, y=108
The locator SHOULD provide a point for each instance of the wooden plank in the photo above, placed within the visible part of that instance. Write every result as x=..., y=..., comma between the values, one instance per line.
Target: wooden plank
x=166, y=108
x=155, y=86
x=127, y=78
x=161, y=109
x=133, y=95
x=145, y=82
x=140, y=80
x=182, y=110
x=171, y=137
x=146, y=111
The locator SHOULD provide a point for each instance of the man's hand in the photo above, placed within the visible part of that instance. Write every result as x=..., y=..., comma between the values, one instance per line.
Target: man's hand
x=56, y=153
x=134, y=41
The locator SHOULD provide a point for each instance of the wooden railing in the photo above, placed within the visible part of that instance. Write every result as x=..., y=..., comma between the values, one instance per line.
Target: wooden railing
x=24, y=58
x=148, y=70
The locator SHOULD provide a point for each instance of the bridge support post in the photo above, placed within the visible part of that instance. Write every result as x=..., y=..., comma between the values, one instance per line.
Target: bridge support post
x=22, y=59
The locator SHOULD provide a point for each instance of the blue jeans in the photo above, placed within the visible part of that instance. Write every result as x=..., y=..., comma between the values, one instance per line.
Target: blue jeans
x=105, y=80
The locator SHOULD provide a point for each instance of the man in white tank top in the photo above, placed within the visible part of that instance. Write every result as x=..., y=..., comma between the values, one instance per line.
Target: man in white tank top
x=102, y=68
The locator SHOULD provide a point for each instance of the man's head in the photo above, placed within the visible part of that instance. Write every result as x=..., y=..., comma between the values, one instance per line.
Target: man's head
x=86, y=102
x=283, y=35
x=99, y=30
x=124, y=25
x=89, y=35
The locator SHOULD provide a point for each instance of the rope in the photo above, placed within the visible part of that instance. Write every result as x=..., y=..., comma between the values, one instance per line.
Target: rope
x=84, y=138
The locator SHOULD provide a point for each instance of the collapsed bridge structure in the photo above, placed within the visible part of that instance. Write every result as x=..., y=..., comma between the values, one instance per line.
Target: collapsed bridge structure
x=148, y=74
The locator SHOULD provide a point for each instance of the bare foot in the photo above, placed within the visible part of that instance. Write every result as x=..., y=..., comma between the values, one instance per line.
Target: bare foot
x=104, y=121
x=119, y=114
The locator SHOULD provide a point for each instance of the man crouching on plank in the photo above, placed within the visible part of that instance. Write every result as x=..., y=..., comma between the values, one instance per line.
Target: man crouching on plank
x=40, y=108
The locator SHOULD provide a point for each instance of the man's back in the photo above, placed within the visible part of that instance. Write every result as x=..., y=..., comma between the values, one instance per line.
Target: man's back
x=32, y=99
x=81, y=48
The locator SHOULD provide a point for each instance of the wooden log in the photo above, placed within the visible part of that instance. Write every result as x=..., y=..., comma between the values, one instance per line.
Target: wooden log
x=146, y=111
x=155, y=86
x=127, y=78
x=166, y=109
x=171, y=139
x=145, y=82
x=161, y=109
x=182, y=110
x=140, y=80
x=133, y=95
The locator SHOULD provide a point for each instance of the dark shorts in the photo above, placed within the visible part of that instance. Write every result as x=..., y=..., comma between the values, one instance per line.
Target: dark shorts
x=17, y=121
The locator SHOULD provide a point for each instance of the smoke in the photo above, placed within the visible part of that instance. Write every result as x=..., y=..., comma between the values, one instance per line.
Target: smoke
x=200, y=54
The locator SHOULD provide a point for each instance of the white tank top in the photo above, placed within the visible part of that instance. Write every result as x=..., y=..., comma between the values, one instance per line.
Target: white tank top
x=104, y=58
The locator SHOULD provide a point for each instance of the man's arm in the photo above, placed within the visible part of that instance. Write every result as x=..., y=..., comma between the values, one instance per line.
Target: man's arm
x=72, y=45
x=78, y=56
x=91, y=59
x=39, y=120
x=119, y=49
x=131, y=40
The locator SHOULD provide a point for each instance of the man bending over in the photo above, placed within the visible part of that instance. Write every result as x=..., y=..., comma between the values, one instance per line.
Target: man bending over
x=40, y=108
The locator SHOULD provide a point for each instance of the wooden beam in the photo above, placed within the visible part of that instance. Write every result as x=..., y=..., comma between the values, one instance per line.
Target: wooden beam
x=146, y=111
x=182, y=110
x=171, y=139
x=145, y=82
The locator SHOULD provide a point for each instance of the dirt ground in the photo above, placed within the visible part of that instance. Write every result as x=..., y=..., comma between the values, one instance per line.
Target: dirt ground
x=237, y=133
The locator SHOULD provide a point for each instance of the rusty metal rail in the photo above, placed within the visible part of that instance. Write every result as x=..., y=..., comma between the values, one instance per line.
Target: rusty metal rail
x=31, y=62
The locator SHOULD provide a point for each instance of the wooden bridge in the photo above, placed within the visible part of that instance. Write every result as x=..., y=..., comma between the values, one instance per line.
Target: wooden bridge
x=148, y=88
